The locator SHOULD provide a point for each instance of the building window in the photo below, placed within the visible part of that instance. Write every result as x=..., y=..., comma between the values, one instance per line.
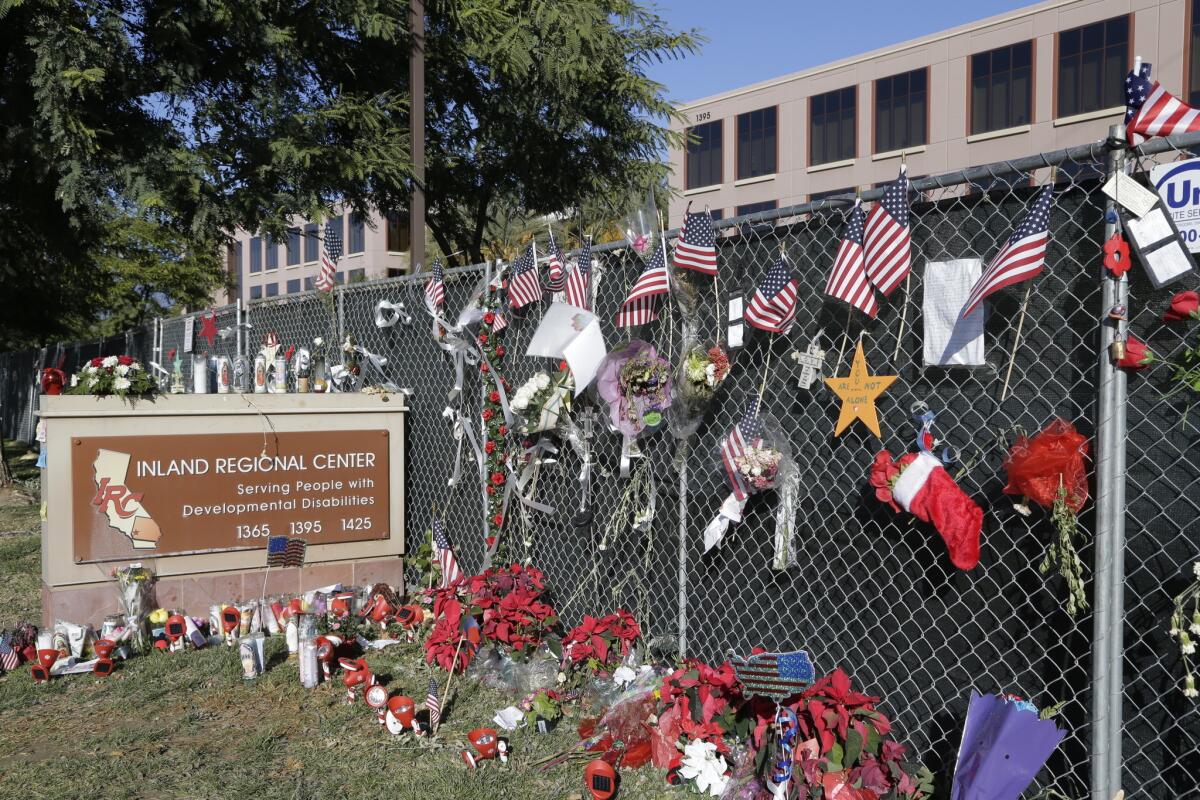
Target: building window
x=311, y=242
x=358, y=234
x=398, y=232
x=255, y=292
x=1001, y=92
x=831, y=126
x=756, y=143
x=338, y=224
x=339, y=278
x=272, y=290
x=272, y=253
x=900, y=110
x=255, y=254
x=717, y=213
x=237, y=258
x=308, y=284
x=754, y=208
x=293, y=286
x=1092, y=63
x=293, y=247
x=703, y=155
x=1194, y=56
x=356, y=276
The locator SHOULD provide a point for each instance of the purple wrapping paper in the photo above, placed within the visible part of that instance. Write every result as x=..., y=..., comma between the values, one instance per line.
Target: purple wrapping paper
x=1003, y=748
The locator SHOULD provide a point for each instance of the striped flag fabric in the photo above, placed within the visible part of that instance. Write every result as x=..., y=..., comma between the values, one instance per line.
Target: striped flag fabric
x=747, y=432
x=1021, y=258
x=696, y=247
x=640, y=306
x=435, y=287
x=331, y=251
x=1150, y=110
x=443, y=551
x=580, y=278
x=283, y=551
x=776, y=675
x=9, y=659
x=887, y=245
x=556, y=277
x=848, y=279
x=434, y=704
x=523, y=284
x=773, y=306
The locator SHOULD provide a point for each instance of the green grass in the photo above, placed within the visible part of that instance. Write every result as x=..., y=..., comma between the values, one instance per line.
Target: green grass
x=187, y=726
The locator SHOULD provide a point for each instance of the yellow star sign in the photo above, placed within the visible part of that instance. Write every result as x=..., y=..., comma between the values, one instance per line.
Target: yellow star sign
x=859, y=392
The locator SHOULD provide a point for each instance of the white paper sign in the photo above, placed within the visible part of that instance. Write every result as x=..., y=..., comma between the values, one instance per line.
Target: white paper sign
x=1164, y=263
x=1130, y=194
x=950, y=339
x=189, y=333
x=1178, y=186
x=573, y=334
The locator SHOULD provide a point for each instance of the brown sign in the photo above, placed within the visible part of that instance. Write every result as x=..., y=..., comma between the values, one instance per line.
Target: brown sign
x=146, y=496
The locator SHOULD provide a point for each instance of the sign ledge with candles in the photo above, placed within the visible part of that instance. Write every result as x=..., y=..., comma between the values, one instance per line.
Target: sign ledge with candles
x=196, y=485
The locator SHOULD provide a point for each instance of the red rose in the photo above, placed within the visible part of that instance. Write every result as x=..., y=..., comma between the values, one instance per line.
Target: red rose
x=1137, y=354
x=489, y=446
x=491, y=541
x=503, y=430
x=491, y=489
x=489, y=318
x=494, y=396
x=1183, y=305
x=498, y=478
x=563, y=366
x=500, y=351
x=483, y=338
x=498, y=520
x=483, y=367
x=487, y=414
x=95, y=362
x=126, y=360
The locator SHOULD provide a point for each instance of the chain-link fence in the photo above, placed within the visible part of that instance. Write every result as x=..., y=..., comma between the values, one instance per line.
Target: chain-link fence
x=858, y=586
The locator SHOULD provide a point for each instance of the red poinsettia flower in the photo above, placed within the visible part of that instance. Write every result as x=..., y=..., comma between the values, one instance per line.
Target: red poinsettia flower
x=443, y=641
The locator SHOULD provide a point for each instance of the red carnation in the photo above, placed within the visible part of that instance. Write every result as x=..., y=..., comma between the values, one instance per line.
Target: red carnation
x=1183, y=305
x=499, y=351
x=498, y=478
x=491, y=541
x=503, y=430
x=484, y=367
x=498, y=520
x=126, y=360
x=95, y=362
x=489, y=318
x=483, y=338
x=489, y=446
x=491, y=489
x=494, y=396
x=487, y=414
x=563, y=366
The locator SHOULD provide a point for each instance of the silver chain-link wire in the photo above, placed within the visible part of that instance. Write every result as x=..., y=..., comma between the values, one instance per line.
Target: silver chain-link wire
x=869, y=591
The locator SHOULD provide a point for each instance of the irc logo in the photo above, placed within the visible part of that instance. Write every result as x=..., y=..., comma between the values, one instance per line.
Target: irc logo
x=120, y=506
x=123, y=502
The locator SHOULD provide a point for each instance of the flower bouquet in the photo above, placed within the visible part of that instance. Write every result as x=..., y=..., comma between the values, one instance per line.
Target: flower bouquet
x=1049, y=470
x=701, y=372
x=635, y=382
x=541, y=400
x=753, y=457
x=1184, y=629
x=114, y=375
x=1004, y=745
x=918, y=483
x=601, y=643
x=136, y=584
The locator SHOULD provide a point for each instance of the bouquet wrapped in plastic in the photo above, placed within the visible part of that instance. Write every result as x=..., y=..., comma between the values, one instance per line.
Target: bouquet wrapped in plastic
x=636, y=384
x=1004, y=745
x=136, y=584
x=541, y=401
x=702, y=369
x=754, y=456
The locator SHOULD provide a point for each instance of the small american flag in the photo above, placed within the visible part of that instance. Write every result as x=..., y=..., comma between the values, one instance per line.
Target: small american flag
x=579, y=281
x=331, y=251
x=1021, y=258
x=697, y=245
x=1150, y=110
x=523, y=285
x=776, y=675
x=444, y=552
x=886, y=242
x=556, y=278
x=748, y=432
x=435, y=287
x=434, y=705
x=848, y=280
x=641, y=306
x=283, y=551
x=773, y=306
x=9, y=659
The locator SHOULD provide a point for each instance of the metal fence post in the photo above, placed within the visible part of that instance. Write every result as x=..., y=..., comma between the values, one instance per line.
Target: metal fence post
x=1108, y=651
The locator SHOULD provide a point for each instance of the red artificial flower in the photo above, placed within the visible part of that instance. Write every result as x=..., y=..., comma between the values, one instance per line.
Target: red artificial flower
x=497, y=478
x=498, y=520
x=563, y=366
x=1137, y=354
x=489, y=318
x=503, y=430
x=500, y=351
x=483, y=338
x=95, y=362
x=491, y=490
x=1183, y=306
x=491, y=540
x=494, y=396
x=487, y=414
x=126, y=360
x=171, y=353
x=489, y=446
x=484, y=367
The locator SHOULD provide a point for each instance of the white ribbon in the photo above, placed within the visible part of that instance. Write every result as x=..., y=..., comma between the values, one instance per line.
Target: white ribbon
x=731, y=511
x=388, y=314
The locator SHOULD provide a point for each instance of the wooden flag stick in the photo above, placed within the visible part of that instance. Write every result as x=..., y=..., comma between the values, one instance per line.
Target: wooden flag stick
x=766, y=368
x=1016, y=341
x=903, y=317
x=453, y=666
x=845, y=336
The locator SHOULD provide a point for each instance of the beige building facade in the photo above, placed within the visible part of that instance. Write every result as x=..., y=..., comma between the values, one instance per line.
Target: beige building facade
x=1039, y=78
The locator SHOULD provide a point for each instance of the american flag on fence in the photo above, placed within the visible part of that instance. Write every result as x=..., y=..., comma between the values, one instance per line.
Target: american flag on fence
x=848, y=279
x=556, y=276
x=777, y=675
x=886, y=242
x=444, y=552
x=696, y=247
x=434, y=705
x=773, y=306
x=641, y=306
x=1021, y=258
x=747, y=432
x=283, y=551
x=9, y=659
x=331, y=251
x=435, y=287
x=579, y=281
x=523, y=285
x=1150, y=110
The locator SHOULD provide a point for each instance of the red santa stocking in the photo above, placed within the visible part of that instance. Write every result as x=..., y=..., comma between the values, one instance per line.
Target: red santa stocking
x=927, y=491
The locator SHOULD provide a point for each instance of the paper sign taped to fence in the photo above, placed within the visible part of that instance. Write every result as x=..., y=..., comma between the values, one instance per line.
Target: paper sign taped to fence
x=950, y=339
x=1130, y=194
x=573, y=334
x=1178, y=185
x=1161, y=252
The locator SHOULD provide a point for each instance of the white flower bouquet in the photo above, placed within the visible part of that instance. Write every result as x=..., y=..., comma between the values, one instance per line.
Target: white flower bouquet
x=114, y=375
x=541, y=400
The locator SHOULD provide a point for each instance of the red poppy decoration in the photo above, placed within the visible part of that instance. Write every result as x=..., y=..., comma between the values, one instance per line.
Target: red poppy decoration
x=1116, y=255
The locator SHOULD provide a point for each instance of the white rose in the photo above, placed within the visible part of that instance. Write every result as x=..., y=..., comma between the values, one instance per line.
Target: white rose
x=121, y=384
x=520, y=403
x=74, y=380
x=110, y=362
x=122, y=370
x=90, y=370
x=543, y=380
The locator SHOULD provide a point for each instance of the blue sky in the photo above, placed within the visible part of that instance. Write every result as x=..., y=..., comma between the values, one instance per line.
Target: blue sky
x=754, y=40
